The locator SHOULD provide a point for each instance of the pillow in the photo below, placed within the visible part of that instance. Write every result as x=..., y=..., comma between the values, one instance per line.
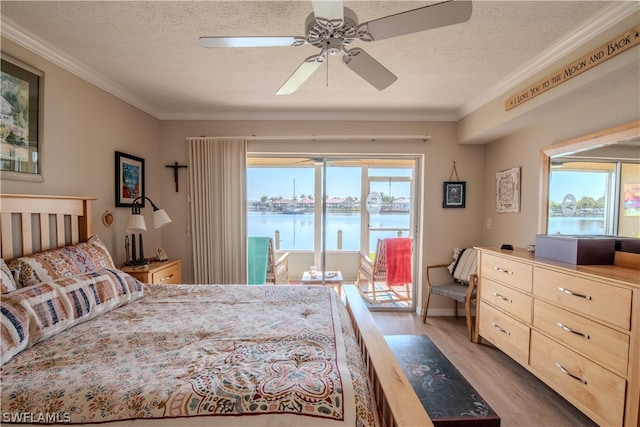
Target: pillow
x=48, y=311
x=465, y=263
x=14, y=328
x=55, y=306
x=62, y=262
x=97, y=292
x=7, y=284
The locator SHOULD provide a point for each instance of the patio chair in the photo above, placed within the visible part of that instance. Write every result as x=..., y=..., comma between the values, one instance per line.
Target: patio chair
x=460, y=283
x=378, y=280
x=262, y=265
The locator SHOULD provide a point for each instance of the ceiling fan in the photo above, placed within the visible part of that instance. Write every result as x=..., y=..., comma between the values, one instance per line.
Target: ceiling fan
x=333, y=27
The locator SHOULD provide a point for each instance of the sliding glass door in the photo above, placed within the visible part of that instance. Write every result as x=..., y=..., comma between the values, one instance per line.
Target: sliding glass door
x=285, y=202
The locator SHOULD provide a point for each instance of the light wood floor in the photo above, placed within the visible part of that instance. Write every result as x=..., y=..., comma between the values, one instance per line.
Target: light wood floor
x=519, y=398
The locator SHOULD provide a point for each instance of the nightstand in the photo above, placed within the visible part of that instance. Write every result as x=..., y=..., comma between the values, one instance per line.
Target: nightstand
x=157, y=272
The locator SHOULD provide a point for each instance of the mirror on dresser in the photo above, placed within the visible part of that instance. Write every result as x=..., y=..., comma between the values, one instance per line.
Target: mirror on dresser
x=591, y=185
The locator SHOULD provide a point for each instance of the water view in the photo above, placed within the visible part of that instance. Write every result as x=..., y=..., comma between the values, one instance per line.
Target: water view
x=297, y=230
x=576, y=225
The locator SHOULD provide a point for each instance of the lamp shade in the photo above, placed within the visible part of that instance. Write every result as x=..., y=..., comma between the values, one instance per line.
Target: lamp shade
x=136, y=224
x=160, y=218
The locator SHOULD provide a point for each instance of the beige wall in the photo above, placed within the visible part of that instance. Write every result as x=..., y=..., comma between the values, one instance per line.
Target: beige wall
x=83, y=127
x=522, y=149
x=443, y=229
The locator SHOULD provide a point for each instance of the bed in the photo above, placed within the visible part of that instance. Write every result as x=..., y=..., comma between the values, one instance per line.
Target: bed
x=100, y=347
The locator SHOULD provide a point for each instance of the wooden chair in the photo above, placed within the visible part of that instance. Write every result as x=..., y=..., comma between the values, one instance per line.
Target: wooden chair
x=460, y=285
x=374, y=272
x=277, y=270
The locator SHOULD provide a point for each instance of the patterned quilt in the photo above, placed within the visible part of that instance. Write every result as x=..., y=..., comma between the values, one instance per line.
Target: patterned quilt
x=219, y=351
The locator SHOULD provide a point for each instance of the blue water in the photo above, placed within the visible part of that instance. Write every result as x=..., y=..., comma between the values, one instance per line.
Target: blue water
x=576, y=225
x=297, y=231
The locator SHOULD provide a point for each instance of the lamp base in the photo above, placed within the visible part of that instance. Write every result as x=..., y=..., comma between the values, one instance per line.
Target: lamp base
x=138, y=262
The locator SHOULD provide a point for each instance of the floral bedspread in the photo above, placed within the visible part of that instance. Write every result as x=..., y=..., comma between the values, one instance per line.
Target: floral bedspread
x=199, y=350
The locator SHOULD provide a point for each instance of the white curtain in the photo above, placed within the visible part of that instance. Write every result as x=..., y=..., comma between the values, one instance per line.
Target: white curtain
x=217, y=193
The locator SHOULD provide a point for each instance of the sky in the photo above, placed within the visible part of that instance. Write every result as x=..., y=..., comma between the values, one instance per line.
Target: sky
x=345, y=181
x=341, y=182
x=590, y=184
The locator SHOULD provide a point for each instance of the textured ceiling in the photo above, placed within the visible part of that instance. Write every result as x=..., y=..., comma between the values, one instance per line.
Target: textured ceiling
x=148, y=54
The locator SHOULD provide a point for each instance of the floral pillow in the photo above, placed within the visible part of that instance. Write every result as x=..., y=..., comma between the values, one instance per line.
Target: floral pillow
x=7, y=284
x=63, y=262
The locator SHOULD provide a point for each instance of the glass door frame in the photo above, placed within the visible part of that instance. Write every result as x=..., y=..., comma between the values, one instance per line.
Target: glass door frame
x=322, y=164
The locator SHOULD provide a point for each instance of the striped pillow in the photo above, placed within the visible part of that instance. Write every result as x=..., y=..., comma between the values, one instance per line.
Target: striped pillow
x=14, y=328
x=63, y=262
x=97, y=292
x=48, y=310
x=52, y=307
x=7, y=284
x=465, y=263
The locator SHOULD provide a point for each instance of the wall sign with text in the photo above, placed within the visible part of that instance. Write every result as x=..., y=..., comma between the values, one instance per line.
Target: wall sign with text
x=616, y=46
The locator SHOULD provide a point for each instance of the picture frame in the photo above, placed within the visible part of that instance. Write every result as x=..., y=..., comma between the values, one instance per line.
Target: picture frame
x=130, y=179
x=21, y=125
x=454, y=194
x=508, y=191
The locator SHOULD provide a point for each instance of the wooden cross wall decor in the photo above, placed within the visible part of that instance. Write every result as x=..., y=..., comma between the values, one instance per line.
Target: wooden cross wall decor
x=175, y=166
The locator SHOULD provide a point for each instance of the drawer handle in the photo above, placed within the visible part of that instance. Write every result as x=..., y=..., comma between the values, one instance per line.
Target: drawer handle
x=569, y=292
x=167, y=278
x=502, y=270
x=575, y=377
x=503, y=298
x=568, y=329
x=495, y=325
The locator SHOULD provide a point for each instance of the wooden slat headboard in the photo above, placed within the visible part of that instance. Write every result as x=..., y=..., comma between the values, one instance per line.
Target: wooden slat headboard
x=30, y=224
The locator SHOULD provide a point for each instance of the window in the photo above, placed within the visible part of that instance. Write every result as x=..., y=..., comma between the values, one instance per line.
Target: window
x=581, y=200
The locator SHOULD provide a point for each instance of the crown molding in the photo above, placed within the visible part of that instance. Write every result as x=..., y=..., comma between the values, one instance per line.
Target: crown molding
x=384, y=116
x=606, y=19
x=29, y=41
x=609, y=17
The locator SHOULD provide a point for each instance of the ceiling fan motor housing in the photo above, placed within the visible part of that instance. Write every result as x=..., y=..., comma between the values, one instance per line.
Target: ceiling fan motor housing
x=329, y=38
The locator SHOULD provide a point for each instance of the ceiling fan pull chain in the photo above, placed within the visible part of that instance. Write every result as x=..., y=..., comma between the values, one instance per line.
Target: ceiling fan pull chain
x=328, y=70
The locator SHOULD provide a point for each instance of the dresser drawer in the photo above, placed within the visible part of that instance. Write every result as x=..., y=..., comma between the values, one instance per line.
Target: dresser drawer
x=506, y=333
x=594, y=299
x=513, y=273
x=167, y=276
x=507, y=299
x=596, y=391
x=600, y=343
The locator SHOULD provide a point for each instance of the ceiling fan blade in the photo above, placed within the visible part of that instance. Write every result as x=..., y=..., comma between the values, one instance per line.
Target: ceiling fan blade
x=329, y=13
x=301, y=74
x=368, y=68
x=416, y=20
x=251, y=41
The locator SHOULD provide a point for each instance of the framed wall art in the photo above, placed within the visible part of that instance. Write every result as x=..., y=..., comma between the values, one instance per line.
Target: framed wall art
x=508, y=190
x=454, y=194
x=129, y=179
x=21, y=120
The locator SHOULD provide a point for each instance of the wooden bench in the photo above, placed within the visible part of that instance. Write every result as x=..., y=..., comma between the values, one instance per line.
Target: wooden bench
x=445, y=394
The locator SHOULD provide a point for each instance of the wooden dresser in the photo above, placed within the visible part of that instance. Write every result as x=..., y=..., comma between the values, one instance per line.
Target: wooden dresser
x=158, y=272
x=575, y=327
